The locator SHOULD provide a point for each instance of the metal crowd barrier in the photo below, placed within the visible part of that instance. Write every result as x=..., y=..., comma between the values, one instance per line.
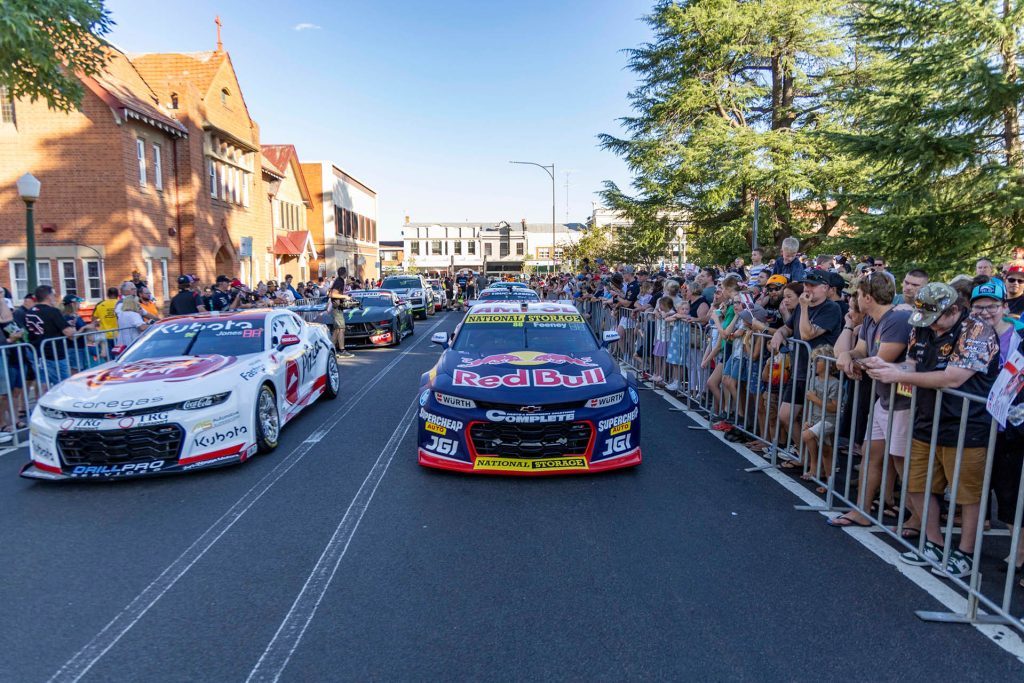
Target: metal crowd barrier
x=748, y=389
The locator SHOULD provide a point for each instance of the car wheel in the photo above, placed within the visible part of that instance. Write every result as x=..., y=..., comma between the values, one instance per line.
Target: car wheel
x=412, y=326
x=421, y=315
x=332, y=378
x=396, y=334
x=268, y=421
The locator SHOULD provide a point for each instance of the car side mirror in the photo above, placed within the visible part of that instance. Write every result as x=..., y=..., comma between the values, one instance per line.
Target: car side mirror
x=288, y=340
x=439, y=338
x=609, y=337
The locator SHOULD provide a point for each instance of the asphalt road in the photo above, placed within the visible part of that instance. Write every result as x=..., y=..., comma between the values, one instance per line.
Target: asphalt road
x=338, y=558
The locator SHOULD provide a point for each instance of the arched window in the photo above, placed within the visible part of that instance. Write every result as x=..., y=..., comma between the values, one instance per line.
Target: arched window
x=174, y=100
x=224, y=96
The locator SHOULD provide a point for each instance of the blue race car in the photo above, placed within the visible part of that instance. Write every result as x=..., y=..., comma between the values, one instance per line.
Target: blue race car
x=527, y=389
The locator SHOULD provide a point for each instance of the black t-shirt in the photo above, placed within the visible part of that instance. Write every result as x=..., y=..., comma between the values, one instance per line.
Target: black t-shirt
x=825, y=315
x=219, y=301
x=970, y=344
x=632, y=292
x=185, y=302
x=1016, y=306
x=46, y=322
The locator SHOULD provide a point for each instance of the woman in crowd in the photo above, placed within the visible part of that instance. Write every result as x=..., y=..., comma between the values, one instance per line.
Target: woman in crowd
x=129, y=321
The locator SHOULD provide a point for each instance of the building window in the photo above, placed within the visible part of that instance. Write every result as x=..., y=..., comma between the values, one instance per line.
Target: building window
x=213, y=178
x=414, y=248
x=158, y=169
x=6, y=107
x=19, y=280
x=487, y=249
x=224, y=96
x=140, y=152
x=93, y=279
x=520, y=248
x=68, y=278
x=43, y=272
x=174, y=100
x=373, y=230
x=543, y=252
x=163, y=279
x=435, y=248
x=245, y=190
x=457, y=246
x=275, y=213
x=471, y=248
x=503, y=249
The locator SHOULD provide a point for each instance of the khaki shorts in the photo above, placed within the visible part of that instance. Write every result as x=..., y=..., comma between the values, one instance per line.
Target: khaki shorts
x=900, y=429
x=972, y=471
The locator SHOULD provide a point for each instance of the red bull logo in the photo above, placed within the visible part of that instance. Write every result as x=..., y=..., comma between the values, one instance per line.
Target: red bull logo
x=528, y=358
x=543, y=377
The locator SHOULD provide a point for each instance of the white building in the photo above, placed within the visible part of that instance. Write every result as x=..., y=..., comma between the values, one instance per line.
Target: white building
x=348, y=208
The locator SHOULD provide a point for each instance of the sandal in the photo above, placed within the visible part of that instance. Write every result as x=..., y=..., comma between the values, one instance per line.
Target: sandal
x=842, y=521
x=910, y=533
x=791, y=465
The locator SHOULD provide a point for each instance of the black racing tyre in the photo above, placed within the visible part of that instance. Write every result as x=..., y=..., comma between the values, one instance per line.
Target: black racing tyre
x=332, y=377
x=267, y=420
x=421, y=315
x=412, y=325
x=396, y=333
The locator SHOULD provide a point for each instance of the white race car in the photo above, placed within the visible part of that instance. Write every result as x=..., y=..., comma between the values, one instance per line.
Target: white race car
x=192, y=392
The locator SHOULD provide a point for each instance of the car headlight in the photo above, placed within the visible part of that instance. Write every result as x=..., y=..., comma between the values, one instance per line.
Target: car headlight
x=454, y=401
x=204, y=402
x=608, y=400
x=53, y=413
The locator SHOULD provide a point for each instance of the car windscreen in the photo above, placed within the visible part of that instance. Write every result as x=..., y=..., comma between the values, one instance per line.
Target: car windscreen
x=401, y=283
x=199, y=338
x=491, y=333
x=372, y=299
x=509, y=295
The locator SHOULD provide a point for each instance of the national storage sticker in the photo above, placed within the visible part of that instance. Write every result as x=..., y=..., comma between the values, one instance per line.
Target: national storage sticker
x=498, y=464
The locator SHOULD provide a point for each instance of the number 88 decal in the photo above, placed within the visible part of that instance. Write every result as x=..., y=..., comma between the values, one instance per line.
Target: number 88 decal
x=442, y=446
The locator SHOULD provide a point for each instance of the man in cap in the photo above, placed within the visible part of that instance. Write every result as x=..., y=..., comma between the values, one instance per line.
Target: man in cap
x=221, y=298
x=186, y=301
x=948, y=349
x=1014, y=279
x=816, y=321
x=626, y=301
x=884, y=334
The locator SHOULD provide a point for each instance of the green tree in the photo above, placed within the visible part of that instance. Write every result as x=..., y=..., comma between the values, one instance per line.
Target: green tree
x=45, y=43
x=732, y=104
x=937, y=109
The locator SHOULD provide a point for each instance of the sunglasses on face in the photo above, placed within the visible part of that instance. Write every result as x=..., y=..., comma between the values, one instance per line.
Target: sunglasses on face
x=773, y=288
x=1015, y=280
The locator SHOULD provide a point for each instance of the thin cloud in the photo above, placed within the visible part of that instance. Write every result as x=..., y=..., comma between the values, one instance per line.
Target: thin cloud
x=305, y=26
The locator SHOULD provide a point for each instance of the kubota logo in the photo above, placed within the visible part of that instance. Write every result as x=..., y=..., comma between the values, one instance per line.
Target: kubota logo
x=527, y=358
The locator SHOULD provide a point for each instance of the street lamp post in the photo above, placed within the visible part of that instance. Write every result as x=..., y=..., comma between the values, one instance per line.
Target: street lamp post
x=550, y=170
x=28, y=190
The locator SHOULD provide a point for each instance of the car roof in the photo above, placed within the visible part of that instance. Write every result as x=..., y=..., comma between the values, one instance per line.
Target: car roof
x=248, y=315
x=382, y=292
x=523, y=307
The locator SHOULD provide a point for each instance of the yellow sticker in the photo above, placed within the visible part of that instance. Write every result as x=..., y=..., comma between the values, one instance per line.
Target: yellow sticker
x=479, y=318
x=436, y=428
x=618, y=429
x=524, y=465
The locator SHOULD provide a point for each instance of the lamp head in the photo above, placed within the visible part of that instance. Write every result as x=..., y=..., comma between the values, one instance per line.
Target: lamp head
x=28, y=187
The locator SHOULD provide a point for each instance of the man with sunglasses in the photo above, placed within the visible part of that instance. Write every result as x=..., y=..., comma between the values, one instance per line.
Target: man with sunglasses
x=949, y=348
x=1014, y=279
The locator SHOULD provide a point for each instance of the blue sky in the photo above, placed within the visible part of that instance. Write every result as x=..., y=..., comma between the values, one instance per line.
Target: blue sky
x=426, y=101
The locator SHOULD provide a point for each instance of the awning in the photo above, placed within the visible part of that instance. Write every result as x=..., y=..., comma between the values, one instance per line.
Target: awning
x=292, y=243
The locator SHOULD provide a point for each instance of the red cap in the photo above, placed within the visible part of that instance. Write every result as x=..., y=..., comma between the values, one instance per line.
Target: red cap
x=1015, y=268
x=236, y=282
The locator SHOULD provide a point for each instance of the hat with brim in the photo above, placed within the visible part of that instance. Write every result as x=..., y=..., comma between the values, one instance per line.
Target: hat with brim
x=932, y=301
x=815, y=277
x=993, y=289
x=778, y=280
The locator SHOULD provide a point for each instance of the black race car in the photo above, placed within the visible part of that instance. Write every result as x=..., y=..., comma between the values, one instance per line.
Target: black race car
x=378, y=320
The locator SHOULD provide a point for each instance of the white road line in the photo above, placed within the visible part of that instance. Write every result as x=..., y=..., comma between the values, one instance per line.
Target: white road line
x=282, y=646
x=102, y=642
x=1003, y=636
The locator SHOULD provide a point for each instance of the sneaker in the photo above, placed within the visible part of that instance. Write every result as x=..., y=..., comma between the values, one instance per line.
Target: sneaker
x=960, y=565
x=6, y=437
x=672, y=386
x=344, y=354
x=931, y=552
x=722, y=426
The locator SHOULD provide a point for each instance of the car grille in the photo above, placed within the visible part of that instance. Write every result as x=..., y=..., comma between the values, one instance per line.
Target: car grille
x=544, y=408
x=359, y=328
x=531, y=440
x=119, y=446
x=416, y=302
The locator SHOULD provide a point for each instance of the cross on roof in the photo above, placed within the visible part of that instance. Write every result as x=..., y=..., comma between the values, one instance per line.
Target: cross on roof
x=220, y=45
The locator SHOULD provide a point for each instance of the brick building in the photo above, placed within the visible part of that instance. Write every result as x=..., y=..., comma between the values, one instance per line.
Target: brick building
x=109, y=198
x=295, y=248
x=345, y=214
x=225, y=227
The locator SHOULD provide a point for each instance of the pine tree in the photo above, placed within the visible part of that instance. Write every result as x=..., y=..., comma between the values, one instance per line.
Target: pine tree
x=733, y=104
x=938, y=118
